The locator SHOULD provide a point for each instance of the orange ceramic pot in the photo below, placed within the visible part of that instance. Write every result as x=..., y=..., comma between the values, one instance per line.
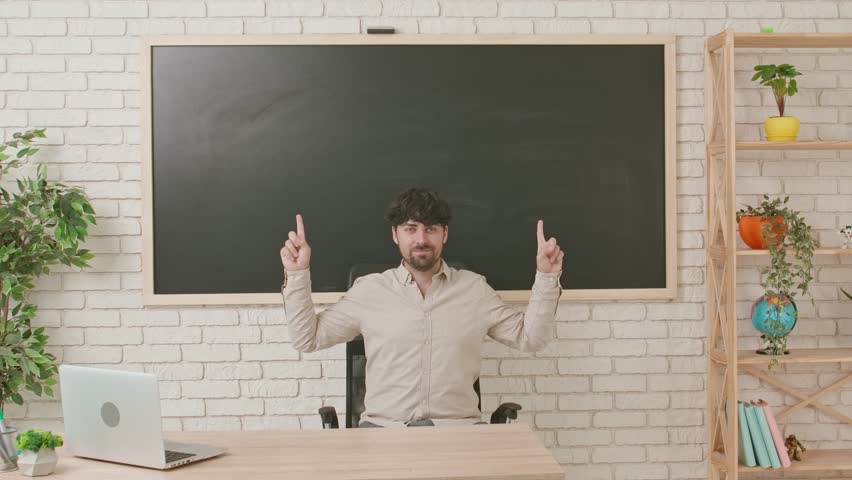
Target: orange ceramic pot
x=751, y=231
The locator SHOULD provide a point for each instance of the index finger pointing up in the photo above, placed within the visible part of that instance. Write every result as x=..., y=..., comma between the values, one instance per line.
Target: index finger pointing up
x=540, y=232
x=300, y=226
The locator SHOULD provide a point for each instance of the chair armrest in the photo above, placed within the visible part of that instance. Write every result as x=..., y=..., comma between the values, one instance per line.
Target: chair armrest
x=505, y=412
x=329, y=417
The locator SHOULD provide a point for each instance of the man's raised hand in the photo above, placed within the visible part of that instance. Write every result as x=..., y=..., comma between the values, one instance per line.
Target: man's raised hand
x=548, y=258
x=296, y=253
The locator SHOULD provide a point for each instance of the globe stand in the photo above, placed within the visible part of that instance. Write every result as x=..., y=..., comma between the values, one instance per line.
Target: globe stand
x=766, y=351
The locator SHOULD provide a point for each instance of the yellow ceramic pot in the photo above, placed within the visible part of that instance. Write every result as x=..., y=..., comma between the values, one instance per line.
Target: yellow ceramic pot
x=781, y=129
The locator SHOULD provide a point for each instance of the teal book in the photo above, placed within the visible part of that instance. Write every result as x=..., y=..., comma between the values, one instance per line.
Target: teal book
x=760, y=450
x=774, y=460
x=746, y=448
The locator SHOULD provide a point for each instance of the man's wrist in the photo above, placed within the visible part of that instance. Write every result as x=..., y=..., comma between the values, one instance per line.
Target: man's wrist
x=549, y=274
x=294, y=275
x=548, y=279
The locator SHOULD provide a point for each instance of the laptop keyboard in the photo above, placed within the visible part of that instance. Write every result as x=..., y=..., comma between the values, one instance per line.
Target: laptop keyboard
x=172, y=456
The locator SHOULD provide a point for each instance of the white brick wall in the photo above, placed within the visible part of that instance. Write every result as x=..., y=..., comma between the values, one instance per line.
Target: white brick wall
x=619, y=394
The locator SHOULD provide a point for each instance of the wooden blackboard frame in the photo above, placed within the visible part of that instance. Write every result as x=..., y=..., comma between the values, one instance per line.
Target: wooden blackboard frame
x=669, y=292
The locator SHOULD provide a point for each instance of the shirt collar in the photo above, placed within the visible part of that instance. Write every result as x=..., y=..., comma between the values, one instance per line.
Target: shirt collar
x=404, y=276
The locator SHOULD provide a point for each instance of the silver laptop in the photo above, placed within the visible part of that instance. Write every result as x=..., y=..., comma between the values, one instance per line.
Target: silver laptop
x=115, y=416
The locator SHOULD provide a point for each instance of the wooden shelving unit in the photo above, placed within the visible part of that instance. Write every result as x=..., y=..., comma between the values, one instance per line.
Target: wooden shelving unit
x=724, y=361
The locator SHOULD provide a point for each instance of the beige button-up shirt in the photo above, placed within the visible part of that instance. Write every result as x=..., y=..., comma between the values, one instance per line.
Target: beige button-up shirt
x=423, y=354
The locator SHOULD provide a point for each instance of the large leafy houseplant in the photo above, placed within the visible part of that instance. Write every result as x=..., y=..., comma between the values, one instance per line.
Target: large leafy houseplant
x=41, y=224
x=784, y=230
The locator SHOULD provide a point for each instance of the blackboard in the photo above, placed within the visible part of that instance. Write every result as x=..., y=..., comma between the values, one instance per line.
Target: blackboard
x=245, y=136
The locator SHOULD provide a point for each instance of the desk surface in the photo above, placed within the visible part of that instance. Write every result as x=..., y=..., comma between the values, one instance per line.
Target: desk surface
x=448, y=453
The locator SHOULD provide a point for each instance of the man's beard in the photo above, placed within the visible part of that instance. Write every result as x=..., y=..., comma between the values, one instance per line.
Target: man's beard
x=422, y=263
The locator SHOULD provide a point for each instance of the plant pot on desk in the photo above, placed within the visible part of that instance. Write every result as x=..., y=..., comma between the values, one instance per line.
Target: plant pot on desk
x=36, y=464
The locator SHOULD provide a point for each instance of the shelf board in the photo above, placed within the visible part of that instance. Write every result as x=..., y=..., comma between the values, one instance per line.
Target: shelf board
x=781, y=40
x=718, y=147
x=798, y=145
x=812, y=460
x=819, y=251
x=792, y=40
x=798, y=355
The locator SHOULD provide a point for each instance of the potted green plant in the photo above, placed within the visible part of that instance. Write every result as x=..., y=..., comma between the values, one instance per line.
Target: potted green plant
x=41, y=224
x=781, y=79
x=783, y=230
x=38, y=454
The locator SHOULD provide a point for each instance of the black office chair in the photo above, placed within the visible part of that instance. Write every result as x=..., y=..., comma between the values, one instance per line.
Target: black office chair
x=505, y=413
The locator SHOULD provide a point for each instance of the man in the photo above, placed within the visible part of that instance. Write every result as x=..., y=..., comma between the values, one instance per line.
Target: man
x=423, y=322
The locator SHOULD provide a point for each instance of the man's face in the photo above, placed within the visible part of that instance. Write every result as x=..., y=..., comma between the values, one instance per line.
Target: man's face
x=420, y=245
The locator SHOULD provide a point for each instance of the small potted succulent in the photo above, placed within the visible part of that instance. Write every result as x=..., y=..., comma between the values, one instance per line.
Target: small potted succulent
x=775, y=226
x=38, y=454
x=781, y=79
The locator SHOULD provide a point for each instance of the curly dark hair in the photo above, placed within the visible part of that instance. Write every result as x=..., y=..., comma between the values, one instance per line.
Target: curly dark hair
x=420, y=205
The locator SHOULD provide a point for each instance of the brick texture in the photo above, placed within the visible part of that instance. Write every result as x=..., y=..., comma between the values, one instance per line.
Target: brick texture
x=619, y=394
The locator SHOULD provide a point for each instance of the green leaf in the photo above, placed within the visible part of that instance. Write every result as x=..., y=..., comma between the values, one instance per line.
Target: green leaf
x=29, y=366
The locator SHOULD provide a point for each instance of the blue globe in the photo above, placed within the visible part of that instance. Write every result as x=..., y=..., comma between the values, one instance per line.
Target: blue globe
x=764, y=313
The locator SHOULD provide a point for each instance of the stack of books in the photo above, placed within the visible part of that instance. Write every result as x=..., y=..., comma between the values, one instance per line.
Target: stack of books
x=761, y=443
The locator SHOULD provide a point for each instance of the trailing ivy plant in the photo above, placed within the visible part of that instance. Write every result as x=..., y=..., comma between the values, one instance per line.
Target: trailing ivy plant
x=783, y=278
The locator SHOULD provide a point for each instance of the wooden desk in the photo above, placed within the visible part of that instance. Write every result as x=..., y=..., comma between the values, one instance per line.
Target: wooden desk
x=508, y=452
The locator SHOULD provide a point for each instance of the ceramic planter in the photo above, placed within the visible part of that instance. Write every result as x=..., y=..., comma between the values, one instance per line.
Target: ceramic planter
x=36, y=464
x=781, y=129
x=751, y=229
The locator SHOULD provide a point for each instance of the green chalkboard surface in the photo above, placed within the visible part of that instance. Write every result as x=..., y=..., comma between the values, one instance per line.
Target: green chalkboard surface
x=246, y=136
